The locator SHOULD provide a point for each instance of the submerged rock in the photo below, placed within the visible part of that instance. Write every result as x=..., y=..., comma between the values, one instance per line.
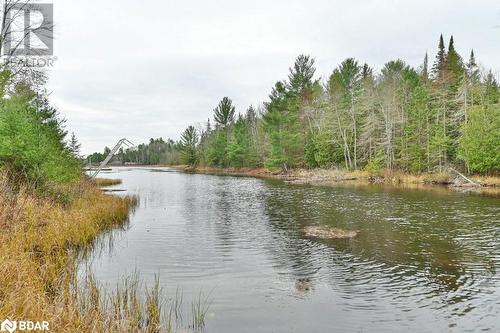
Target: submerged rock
x=304, y=285
x=329, y=233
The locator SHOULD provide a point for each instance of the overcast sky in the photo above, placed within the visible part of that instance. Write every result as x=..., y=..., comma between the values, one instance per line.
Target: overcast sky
x=143, y=69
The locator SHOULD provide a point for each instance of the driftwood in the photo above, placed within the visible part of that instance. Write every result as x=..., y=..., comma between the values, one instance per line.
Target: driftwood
x=467, y=179
x=329, y=233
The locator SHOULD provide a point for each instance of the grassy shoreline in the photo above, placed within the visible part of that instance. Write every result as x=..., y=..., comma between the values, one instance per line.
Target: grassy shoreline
x=486, y=184
x=39, y=243
x=42, y=243
x=104, y=182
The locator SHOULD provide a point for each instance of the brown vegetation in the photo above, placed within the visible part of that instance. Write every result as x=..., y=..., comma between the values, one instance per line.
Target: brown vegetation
x=41, y=241
x=489, y=184
x=102, y=182
x=38, y=245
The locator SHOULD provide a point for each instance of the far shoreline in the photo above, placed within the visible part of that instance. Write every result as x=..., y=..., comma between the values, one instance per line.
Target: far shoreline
x=488, y=185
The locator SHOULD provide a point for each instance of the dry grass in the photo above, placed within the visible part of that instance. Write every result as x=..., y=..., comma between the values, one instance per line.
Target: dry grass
x=40, y=242
x=490, y=184
x=492, y=181
x=398, y=177
x=102, y=182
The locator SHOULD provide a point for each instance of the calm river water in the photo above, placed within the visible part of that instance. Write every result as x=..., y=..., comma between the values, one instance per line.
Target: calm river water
x=424, y=261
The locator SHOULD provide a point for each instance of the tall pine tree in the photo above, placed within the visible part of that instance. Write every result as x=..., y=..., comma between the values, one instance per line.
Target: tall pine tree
x=189, y=141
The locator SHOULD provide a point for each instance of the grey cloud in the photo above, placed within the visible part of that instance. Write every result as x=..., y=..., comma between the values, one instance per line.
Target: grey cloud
x=142, y=69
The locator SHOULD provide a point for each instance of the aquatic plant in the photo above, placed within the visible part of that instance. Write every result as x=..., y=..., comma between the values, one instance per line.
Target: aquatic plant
x=102, y=182
x=41, y=247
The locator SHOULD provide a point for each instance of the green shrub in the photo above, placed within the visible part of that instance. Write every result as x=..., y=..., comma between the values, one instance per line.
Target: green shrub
x=374, y=166
x=32, y=141
x=479, y=145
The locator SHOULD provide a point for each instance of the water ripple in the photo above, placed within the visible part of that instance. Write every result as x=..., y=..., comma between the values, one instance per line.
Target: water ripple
x=423, y=261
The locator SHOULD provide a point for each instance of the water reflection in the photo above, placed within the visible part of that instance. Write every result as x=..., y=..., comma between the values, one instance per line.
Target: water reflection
x=423, y=261
x=448, y=244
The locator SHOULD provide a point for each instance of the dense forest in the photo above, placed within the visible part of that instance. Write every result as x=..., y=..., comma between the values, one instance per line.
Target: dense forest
x=157, y=151
x=441, y=114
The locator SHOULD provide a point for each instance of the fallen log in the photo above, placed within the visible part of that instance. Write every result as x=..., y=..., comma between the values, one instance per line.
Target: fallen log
x=467, y=179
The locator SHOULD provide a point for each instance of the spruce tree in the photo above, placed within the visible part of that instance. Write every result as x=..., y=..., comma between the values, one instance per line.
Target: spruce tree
x=454, y=63
x=74, y=146
x=441, y=104
x=439, y=68
x=238, y=149
x=277, y=121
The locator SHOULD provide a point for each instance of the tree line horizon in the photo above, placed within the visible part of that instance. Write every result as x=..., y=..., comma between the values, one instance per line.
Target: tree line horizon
x=414, y=119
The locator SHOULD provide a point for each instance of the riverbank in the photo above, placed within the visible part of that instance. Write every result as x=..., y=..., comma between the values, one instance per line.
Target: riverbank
x=451, y=180
x=294, y=246
x=45, y=240
x=40, y=241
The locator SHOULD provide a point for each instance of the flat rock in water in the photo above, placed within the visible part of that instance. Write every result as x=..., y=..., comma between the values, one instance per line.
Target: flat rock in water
x=329, y=233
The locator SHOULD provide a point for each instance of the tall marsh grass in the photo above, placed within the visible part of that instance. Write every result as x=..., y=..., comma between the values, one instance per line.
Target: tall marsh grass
x=136, y=307
x=41, y=240
x=102, y=182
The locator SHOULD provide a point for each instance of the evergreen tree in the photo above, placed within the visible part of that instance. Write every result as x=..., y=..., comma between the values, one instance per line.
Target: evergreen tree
x=300, y=91
x=454, y=63
x=415, y=120
x=439, y=70
x=414, y=139
x=285, y=112
x=224, y=112
x=217, y=146
x=479, y=146
x=238, y=150
x=300, y=79
x=74, y=146
x=32, y=139
x=278, y=124
x=189, y=140
x=441, y=104
x=491, y=90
